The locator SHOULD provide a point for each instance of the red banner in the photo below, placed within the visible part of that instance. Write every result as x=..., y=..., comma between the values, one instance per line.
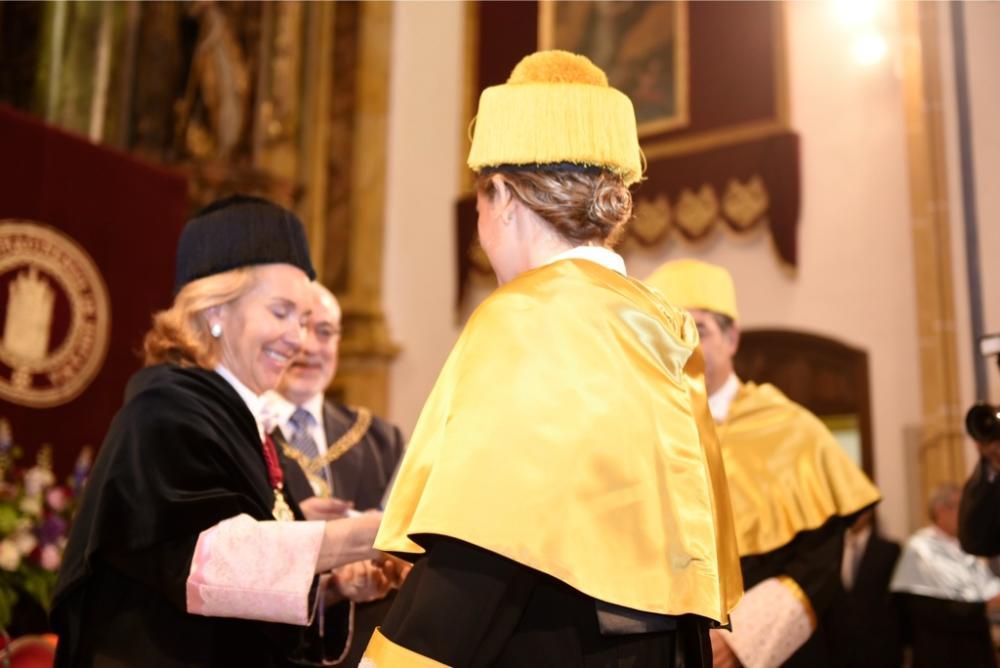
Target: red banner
x=87, y=243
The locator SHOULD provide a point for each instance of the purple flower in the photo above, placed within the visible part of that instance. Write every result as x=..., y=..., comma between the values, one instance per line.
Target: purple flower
x=51, y=530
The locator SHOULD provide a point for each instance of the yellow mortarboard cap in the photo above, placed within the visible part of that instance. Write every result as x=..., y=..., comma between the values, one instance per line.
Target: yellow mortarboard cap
x=557, y=107
x=693, y=284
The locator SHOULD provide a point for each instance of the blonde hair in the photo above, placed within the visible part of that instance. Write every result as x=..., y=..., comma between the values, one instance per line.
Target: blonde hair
x=180, y=334
x=581, y=206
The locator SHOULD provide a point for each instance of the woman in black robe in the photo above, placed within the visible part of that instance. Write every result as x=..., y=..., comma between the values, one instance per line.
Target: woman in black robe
x=175, y=558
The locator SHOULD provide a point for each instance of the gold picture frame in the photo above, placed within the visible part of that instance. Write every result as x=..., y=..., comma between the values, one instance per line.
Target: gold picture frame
x=627, y=39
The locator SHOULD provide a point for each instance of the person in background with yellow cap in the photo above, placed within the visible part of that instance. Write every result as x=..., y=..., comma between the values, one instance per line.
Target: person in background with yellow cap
x=794, y=491
x=563, y=494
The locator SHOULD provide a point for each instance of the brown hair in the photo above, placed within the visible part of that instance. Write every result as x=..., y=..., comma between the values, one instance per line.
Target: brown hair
x=581, y=206
x=180, y=334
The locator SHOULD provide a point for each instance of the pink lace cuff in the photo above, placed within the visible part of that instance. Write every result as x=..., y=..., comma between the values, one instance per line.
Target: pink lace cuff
x=251, y=569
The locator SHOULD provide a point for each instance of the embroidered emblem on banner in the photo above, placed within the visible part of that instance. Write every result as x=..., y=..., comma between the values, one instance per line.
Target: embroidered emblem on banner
x=55, y=316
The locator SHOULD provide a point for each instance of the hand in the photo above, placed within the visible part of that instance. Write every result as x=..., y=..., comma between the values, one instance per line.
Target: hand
x=394, y=569
x=991, y=453
x=722, y=656
x=993, y=605
x=361, y=581
x=319, y=508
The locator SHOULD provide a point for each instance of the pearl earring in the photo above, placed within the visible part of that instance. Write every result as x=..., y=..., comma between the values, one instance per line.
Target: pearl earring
x=215, y=330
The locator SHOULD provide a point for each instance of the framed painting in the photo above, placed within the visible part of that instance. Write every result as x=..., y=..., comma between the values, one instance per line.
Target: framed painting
x=642, y=46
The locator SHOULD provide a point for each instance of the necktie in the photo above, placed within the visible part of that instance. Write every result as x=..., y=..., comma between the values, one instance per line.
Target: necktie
x=301, y=439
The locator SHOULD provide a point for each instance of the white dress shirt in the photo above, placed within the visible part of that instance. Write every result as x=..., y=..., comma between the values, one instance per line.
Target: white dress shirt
x=722, y=399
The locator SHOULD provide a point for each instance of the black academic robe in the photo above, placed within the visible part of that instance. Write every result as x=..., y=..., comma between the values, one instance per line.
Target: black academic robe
x=466, y=607
x=946, y=634
x=862, y=625
x=182, y=455
x=812, y=559
x=979, y=514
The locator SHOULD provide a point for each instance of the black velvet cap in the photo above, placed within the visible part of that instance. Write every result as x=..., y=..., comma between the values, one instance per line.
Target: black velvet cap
x=239, y=231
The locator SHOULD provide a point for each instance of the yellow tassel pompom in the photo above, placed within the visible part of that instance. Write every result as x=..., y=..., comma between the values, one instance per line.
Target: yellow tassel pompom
x=557, y=67
x=557, y=107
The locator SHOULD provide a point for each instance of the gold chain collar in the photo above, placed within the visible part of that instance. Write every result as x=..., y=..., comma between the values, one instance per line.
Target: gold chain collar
x=335, y=450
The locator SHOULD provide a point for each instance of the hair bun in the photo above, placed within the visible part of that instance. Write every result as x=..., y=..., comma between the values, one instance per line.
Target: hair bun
x=611, y=204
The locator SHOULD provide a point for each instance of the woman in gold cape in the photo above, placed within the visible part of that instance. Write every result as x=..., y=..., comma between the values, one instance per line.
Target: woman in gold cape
x=562, y=496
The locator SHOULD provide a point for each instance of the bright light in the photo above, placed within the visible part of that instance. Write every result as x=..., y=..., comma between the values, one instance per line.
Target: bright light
x=869, y=48
x=856, y=13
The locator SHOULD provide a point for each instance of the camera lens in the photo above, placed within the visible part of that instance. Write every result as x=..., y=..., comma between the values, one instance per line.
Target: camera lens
x=983, y=423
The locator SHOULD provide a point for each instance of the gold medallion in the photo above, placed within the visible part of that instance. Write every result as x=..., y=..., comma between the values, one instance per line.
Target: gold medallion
x=281, y=511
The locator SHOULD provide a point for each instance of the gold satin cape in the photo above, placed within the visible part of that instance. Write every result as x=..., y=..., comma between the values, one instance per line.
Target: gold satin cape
x=786, y=472
x=569, y=431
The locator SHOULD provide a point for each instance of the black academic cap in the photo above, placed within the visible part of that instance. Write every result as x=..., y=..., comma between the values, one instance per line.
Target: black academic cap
x=239, y=231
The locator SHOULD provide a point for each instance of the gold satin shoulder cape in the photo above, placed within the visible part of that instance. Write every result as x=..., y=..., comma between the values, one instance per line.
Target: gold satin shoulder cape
x=569, y=431
x=786, y=472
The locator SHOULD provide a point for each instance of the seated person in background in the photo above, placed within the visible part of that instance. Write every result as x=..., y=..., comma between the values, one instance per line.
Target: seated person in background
x=349, y=456
x=862, y=624
x=945, y=592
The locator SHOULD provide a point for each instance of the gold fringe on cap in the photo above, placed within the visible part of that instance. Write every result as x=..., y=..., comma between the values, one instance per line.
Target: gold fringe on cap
x=557, y=107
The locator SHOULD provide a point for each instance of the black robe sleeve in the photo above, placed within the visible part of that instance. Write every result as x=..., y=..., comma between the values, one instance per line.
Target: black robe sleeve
x=812, y=559
x=815, y=565
x=979, y=514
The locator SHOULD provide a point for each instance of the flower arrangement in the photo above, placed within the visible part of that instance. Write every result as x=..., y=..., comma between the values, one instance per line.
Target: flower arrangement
x=35, y=515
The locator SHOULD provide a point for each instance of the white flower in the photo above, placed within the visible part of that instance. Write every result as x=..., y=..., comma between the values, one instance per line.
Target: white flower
x=24, y=541
x=10, y=557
